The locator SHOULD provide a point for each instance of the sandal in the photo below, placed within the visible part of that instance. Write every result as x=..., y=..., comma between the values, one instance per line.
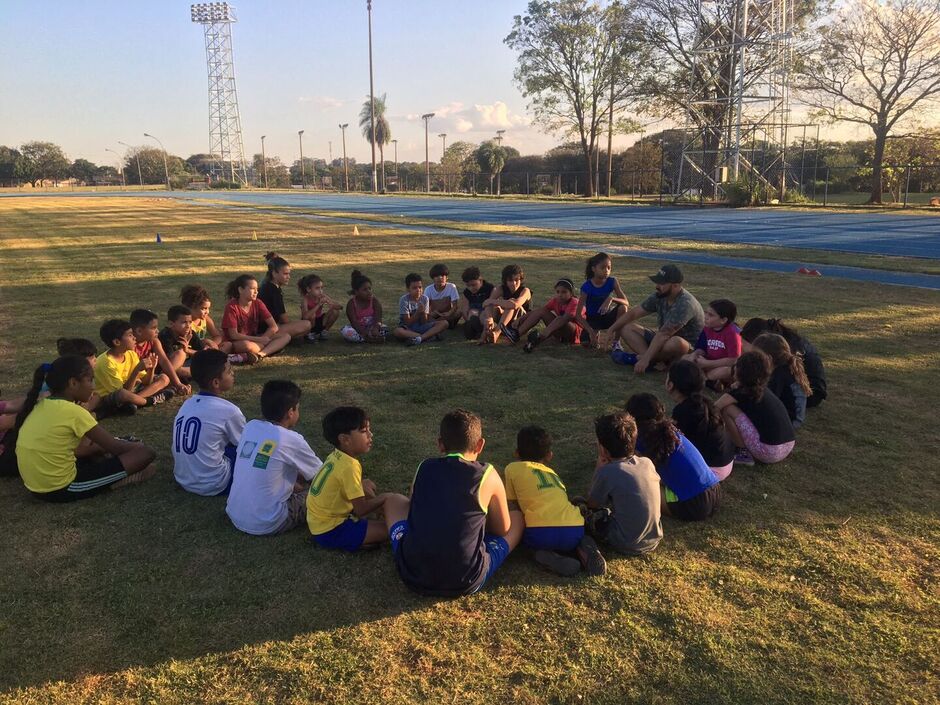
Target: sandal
x=253, y=358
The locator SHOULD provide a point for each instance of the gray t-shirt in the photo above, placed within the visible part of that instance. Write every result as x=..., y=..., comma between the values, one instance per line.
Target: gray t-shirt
x=685, y=312
x=630, y=488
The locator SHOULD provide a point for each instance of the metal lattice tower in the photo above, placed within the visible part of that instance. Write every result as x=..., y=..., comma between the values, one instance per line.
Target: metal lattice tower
x=739, y=97
x=225, y=130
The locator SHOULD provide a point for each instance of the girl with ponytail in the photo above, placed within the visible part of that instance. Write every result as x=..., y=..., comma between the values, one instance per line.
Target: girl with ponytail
x=248, y=325
x=271, y=295
x=62, y=452
x=696, y=417
x=690, y=489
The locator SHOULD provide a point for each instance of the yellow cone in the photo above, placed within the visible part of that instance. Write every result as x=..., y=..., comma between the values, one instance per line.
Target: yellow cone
x=355, y=230
x=254, y=235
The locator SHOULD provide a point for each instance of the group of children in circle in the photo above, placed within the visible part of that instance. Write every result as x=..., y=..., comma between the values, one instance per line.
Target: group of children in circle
x=461, y=519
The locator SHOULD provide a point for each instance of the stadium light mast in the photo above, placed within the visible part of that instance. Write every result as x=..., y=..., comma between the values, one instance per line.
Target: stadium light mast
x=499, y=137
x=427, y=164
x=226, y=150
x=303, y=169
x=140, y=174
x=166, y=169
x=343, y=127
x=264, y=162
x=443, y=137
x=375, y=183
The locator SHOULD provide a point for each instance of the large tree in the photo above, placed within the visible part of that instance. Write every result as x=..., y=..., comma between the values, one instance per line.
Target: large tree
x=577, y=61
x=8, y=160
x=492, y=159
x=84, y=171
x=383, y=133
x=875, y=63
x=150, y=160
x=40, y=161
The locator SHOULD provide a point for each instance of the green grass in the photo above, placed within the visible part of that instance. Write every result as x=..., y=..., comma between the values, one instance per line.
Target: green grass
x=815, y=583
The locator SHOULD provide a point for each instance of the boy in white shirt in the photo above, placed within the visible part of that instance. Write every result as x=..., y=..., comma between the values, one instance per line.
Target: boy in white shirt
x=273, y=466
x=443, y=296
x=207, y=428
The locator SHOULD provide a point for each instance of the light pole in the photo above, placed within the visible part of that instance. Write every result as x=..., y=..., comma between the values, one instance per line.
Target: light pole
x=427, y=164
x=345, y=163
x=375, y=185
x=140, y=174
x=443, y=137
x=166, y=170
x=264, y=162
x=395, y=142
x=499, y=137
x=303, y=170
x=120, y=165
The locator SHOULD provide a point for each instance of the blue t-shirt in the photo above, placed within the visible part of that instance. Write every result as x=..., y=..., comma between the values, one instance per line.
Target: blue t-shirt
x=686, y=473
x=594, y=297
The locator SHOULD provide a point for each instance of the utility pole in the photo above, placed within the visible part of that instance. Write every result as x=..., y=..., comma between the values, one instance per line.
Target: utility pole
x=264, y=162
x=427, y=164
x=443, y=137
x=499, y=137
x=140, y=174
x=303, y=169
x=345, y=163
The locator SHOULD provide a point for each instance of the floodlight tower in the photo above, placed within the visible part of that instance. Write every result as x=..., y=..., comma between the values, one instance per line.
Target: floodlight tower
x=225, y=129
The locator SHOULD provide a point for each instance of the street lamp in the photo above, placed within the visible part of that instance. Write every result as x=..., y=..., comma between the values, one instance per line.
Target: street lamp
x=499, y=137
x=427, y=164
x=345, y=163
x=166, y=170
x=395, y=142
x=303, y=170
x=264, y=162
x=375, y=185
x=140, y=174
x=120, y=166
x=443, y=137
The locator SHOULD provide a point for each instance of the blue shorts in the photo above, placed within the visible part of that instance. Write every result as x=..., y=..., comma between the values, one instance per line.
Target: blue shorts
x=553, y=538
x=419, y=328
x=348, y=536
x=497, y=549
x=229, y=454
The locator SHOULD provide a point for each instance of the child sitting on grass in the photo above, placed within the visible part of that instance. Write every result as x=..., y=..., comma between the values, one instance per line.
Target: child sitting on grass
x=62, y=452
x=123, y=381
x=506, y=306
x=196, y=299
x=443, y=297
x=364, y=312
x=697, y=418
x=145, y=326
x=83, y=348
x=207, y=428
x=719, y=343
x=799, y=345
x=560, y=316
x=553, y=525
x=271, y=294
x=245, y=318
x=602, y=299
x=317, y=307
x=413, y=312
x=273, y=466
x=624, y=503
x=177, y=340
x=756, y=419
x=339, y=500
x=457, y=529
x=476, y=291
x=788, y=380
x=691, y=490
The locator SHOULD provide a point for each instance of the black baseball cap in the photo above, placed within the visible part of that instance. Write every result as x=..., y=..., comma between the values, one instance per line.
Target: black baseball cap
x=667, y=274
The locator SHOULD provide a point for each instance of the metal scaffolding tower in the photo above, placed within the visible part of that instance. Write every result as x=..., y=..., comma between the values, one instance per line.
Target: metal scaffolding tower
x=225, y=130
x=739, y=98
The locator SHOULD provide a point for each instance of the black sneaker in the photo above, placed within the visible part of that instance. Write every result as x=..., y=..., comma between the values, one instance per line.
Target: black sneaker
x=557, y=563
x=532, y=341
x=590, y=557
x=511, y=333
x=130, y=439
x=161, y=397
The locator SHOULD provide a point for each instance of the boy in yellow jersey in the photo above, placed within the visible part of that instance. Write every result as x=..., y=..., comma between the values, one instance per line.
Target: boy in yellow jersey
x=339, y=499
x=123, y=380
x=553, y=525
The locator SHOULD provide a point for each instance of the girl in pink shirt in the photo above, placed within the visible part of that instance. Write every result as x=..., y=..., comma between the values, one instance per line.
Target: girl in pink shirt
x=560, y=316
x=719, y=345
x=364, y=312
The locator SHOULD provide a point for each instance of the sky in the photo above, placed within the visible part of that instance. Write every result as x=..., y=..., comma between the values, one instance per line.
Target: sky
x=88, y=75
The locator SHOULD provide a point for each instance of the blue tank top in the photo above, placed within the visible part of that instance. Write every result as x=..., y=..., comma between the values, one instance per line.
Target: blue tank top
x=443, y=552
x=685, y=473
x=594, y=296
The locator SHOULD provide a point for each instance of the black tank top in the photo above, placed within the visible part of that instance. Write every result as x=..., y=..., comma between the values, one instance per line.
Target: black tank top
x=443, y=552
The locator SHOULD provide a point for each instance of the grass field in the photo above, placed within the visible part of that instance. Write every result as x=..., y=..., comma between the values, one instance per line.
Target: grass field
x=816, y=582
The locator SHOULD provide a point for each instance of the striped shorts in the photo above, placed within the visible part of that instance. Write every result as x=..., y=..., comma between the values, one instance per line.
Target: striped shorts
x=93, y=475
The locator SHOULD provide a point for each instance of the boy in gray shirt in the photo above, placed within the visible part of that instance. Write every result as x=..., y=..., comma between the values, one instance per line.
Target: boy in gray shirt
x=624, y=499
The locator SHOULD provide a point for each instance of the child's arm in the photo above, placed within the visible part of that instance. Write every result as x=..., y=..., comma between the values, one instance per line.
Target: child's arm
x=364, y=506
x=149, y=365
x=498, y=520
x=306, y=310
x=619, y=297
x=271, y=329
x=212, y=331
x=716, y=364
x=724, y=401
x=167, y=367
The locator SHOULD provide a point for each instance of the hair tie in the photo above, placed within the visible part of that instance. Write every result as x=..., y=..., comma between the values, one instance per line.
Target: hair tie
x=46, y=367
x=566, y=283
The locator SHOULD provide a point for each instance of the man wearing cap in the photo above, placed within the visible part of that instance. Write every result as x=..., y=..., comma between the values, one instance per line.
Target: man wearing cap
x=681, y=320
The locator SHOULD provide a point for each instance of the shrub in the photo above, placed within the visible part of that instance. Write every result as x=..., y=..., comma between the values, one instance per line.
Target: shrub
x=222, y=184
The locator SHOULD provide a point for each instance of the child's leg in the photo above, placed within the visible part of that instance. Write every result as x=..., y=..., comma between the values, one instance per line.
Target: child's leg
x=138, y=462
x=439, y=327
x=395, y=508
x=559, y=325
x=533, y=318
x=159, y=382
x=376, y=532
x=225, y=346
x=719, y=374
x=295, y=329
x=278, y=343
x=730, y=414
x=403, y=333
x=329, y=318
x=245, y=346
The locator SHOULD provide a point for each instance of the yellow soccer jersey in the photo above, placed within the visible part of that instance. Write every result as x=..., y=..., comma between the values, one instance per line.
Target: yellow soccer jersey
x=329, y=501
x=45, y=448
x=541, y=495
x=111, y=374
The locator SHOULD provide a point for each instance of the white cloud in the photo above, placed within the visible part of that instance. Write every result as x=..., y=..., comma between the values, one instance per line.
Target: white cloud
x=462, y=125
x=499, y=116
x=450, y=109
x=323, y=102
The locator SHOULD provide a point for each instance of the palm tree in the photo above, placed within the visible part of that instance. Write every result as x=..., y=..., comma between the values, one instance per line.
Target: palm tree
x=383, y=133
x=492, y=158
